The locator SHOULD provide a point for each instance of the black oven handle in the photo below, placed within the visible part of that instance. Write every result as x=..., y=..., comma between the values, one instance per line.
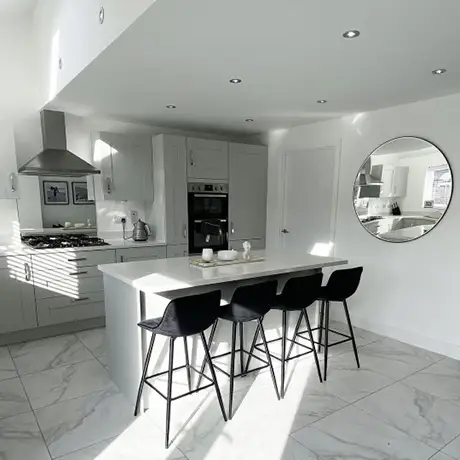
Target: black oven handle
x=209, y=195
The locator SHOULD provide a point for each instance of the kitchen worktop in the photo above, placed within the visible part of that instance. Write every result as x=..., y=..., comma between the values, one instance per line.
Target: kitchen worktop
x=162, y=275
x=18, y=249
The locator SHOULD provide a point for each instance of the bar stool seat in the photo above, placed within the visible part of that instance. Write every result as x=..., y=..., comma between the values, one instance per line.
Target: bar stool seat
x=183, y=317
x=249, y=303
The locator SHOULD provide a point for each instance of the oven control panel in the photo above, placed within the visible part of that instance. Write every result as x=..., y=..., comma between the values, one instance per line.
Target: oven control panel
x=199, y=187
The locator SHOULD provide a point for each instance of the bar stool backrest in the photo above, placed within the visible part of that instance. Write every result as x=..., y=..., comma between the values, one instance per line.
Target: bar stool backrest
x=343, y=283
x=191, y=315
x=251, y=302
x=299, y=293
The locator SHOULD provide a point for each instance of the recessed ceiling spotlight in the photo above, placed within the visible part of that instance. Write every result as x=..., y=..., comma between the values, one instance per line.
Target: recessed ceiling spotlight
x=171, y=106
x=351, y=34
x=249, y=120
x=235, y=81
x=438, y=71
x=321, y=101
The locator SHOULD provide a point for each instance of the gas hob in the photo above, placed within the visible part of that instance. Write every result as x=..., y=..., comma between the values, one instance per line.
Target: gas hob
x=62, y=241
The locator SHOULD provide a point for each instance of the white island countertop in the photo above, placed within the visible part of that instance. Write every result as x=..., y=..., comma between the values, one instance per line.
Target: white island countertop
x=165, y=275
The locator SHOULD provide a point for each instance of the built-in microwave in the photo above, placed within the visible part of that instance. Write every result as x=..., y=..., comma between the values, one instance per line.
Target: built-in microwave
x=208, y=216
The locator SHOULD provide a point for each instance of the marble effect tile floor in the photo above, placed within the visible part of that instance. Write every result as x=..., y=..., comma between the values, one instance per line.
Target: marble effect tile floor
x=57, y=402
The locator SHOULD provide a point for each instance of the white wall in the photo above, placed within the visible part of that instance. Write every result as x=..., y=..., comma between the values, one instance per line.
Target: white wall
x=408, y=290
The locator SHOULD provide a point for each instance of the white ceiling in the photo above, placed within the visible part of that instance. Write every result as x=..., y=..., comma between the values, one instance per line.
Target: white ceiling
x=289, y=54
x=16, y=6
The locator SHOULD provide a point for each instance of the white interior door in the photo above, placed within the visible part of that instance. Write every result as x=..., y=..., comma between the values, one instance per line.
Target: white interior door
x=309, y=200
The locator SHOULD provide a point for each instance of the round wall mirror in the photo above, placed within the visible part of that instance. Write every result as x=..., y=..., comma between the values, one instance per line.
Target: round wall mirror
x=403, y=189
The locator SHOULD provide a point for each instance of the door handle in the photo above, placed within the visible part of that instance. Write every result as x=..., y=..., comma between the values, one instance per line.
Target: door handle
x=192, y=161
x=27, y=271
x=232, y=228
x=185, y=231
x=285, y=230
x=13, y=182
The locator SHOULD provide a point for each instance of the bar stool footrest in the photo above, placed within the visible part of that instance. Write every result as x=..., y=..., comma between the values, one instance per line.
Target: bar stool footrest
x=258, y=346
x=241, y=374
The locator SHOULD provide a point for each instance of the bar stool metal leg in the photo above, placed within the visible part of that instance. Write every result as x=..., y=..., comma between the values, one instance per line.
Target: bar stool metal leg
x=144, y=374
x=169, y=393
x=283, y=352
x=320, y=330
x=326, y=339
x=187, y=363
x=352, y=335
x=251, y=350
x=310, y=335
x=213, y=375
x=232, y=371
x=203, y=365
x=267, y=353
x=241, y=348
x=296, y=330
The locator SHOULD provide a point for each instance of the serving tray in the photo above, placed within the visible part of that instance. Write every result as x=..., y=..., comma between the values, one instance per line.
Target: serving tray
x=220, y=263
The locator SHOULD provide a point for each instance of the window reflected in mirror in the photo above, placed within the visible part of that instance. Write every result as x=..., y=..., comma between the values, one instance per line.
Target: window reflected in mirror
x=403, y=189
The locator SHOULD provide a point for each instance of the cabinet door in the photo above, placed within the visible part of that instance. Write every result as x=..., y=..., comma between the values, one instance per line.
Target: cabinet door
x=17, y=300
x=178, y=250
x=127, y=171
x=8, y=173
x=400, y=181
x=386, y=191
x=207, y=159
x=174, y=155
x=247, y=191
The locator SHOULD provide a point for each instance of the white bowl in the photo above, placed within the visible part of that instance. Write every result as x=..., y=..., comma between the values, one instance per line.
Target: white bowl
x=227, y=255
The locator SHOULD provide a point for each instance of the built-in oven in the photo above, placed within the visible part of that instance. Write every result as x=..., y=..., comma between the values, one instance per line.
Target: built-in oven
x=208, y=216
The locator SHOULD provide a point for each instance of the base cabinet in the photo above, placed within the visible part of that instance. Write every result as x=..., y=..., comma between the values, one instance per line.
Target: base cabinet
x=17, y=300
x=178, y=250
x=136, y=254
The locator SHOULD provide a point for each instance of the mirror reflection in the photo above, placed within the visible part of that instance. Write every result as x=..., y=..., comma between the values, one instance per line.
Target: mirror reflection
x=403, y=189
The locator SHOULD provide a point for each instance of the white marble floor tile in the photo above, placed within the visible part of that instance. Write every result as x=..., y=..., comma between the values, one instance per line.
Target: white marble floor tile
x=81, y=422
x=441, y=379
x=352, y=434
x=362, y=336
x=13, y=400
x=66, y=382
x=441, y=456
x=88, y=453
x=20, y=439
x=453, y=449
x=104, y=360
x=7, y=369
x=392, y=358
x=349, y=383
x=40, y=355
x=94, y=340
x=418, y=413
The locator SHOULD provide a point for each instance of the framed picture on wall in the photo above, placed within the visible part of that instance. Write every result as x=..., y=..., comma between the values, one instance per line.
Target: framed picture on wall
x=55, y=192
x=80, y=193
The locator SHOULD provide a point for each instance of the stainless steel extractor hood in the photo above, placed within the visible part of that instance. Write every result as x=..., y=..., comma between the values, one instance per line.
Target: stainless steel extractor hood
x=54, y=159
x=365, y=177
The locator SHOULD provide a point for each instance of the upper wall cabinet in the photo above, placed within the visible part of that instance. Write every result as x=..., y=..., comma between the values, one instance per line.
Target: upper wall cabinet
x=207, y=159
x=8, y=172
x=248, y=191
x=125, y=161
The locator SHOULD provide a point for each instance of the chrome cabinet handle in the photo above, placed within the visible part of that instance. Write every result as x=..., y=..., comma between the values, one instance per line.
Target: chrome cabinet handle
x=185, y=231
x=81, y=299
x=232, y=228
x=14, y=186
x=78, y=273
x=76, y=260
x=192, y=161
x=108, y=185
x=27, y=271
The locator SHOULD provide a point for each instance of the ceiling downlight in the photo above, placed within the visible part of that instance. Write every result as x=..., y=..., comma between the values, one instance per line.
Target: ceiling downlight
x=351, y=34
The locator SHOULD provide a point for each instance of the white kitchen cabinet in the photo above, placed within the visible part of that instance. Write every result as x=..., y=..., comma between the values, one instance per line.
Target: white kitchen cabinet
x=207, y=159
x=394, y=180
x=9, y=187
x=125, y=161
x=145, y=253
x=17, y=300
x=178, y=250
x=247, y=191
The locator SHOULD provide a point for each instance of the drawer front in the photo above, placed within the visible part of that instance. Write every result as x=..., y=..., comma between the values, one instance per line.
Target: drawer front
x=71, y=261
x=47, y=285
x=61, y=309
x=125, y=255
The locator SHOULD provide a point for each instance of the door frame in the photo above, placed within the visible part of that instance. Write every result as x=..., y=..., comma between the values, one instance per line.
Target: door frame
x=337, y=149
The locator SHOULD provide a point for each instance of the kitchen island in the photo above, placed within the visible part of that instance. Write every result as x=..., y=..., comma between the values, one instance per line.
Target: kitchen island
x=138, y=290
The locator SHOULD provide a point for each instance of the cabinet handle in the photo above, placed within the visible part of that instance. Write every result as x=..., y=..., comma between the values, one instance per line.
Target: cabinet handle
x=81, y=299
x=76, y=260
x=108, y=185
x=78, y=273
x=232, y=228
x=185, y=231
x=122, y=258
x=192, y=161
x=27, y=271
x=14, y=186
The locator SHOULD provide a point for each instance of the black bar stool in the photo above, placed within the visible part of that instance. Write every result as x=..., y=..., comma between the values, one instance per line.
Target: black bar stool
x=341, y=285
x=183, y=317
x=249, y=303
x=297, y=295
